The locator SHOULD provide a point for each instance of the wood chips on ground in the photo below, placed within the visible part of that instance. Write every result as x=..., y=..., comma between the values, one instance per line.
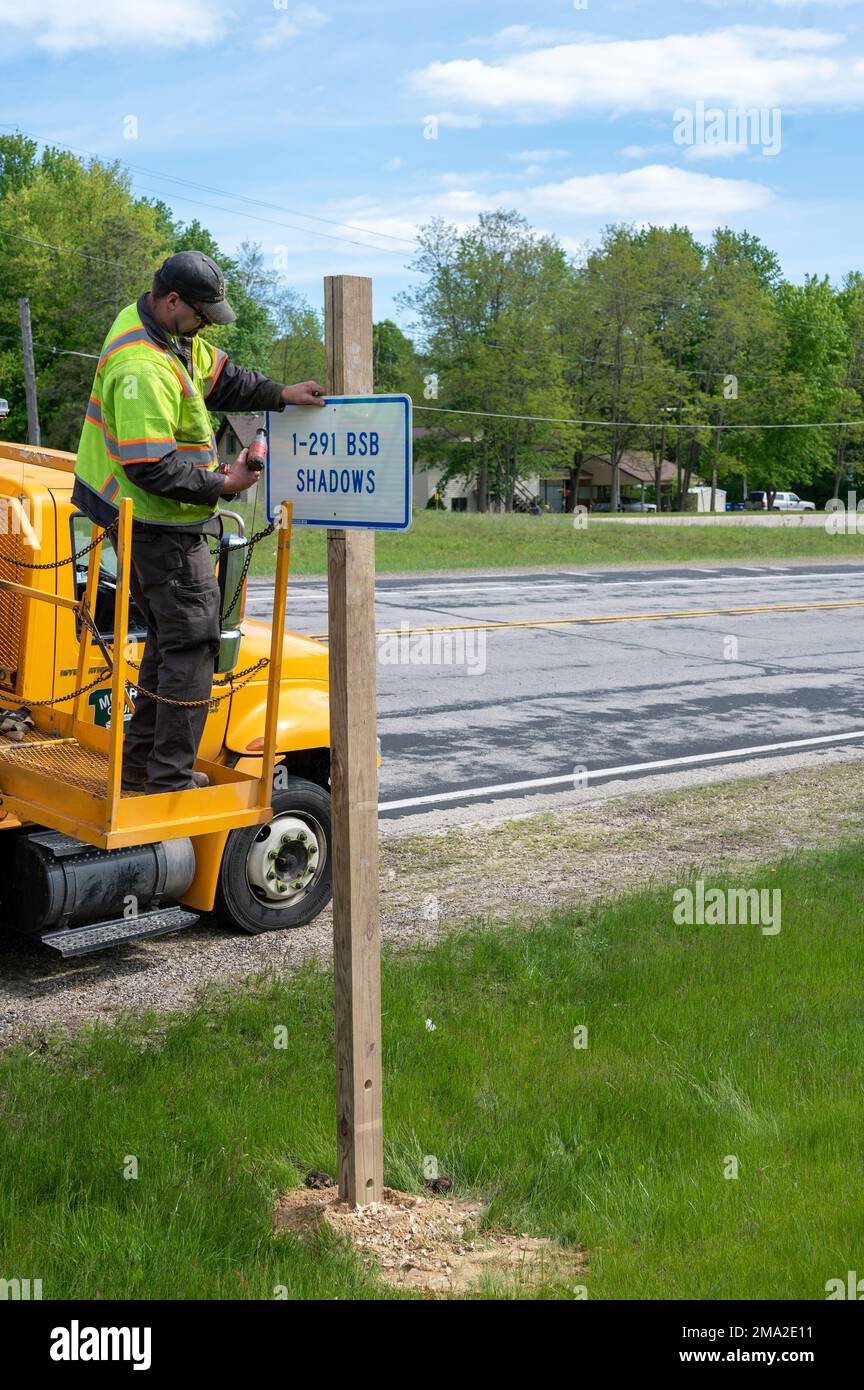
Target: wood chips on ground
x=431, y=1245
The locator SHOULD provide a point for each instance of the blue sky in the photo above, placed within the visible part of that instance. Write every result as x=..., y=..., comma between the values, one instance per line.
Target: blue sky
x=567, y=112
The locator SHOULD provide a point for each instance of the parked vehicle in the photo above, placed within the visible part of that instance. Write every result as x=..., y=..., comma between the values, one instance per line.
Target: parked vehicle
x=4, y=408
x=783, y=502
x=632, y=506
x=791, y=502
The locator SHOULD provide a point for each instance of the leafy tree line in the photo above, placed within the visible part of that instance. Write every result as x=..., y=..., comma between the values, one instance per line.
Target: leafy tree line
x=113, y=242
x=662, y=341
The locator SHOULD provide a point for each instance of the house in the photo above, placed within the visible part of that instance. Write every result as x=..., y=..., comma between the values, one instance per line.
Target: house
x=636, y=476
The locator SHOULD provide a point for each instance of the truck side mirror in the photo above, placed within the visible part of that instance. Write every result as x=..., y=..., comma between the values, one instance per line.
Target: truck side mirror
x=232, y=558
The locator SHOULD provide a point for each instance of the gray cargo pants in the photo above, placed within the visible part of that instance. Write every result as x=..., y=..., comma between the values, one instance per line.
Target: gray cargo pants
x=174, y=585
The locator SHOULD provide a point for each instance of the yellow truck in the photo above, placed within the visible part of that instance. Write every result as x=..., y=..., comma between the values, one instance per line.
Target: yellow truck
x=82, y=865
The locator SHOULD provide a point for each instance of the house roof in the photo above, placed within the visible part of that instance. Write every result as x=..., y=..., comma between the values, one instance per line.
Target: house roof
x=636, y=464
x=244, y=426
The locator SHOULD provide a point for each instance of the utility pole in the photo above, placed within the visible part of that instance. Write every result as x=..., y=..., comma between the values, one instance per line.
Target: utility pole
x=354, y=783
x=34, y=435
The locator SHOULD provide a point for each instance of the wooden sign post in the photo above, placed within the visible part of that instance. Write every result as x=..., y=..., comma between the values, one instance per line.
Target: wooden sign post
x=354, y=783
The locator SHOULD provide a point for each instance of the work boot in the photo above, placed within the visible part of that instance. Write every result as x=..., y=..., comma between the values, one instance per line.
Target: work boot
x=130, y=783
x=131, y=780
x=198, y=779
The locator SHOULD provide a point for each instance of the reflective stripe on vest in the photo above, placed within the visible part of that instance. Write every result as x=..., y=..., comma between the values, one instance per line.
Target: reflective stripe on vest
x=125, y=361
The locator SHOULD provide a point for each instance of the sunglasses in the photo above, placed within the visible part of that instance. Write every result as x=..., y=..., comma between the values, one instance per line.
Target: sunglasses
x=204, y=321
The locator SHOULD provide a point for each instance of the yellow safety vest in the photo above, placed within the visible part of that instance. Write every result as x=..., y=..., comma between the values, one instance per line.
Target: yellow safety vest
x=144, y=404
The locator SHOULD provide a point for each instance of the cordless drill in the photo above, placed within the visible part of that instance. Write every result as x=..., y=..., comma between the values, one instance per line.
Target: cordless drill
x=256, y=454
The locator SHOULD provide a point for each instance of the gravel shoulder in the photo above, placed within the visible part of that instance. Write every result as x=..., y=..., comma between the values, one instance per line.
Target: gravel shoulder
x=496, y=861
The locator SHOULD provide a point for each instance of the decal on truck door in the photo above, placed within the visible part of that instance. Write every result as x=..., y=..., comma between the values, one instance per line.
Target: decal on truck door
x=100, y=703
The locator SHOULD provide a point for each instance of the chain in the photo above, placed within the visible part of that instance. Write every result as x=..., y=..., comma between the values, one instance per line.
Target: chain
x=250, y=546
x=89, y=623
x=73, y=694
x=234, y=682
x=55, y=699
x=58, y=564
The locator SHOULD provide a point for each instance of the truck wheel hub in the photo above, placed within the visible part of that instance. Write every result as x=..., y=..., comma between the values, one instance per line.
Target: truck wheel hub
x=286, y=858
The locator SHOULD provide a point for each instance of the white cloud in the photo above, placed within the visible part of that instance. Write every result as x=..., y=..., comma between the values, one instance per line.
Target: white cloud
x=644, y=151
x=538, y=156
x=738, y=65
x=456, y=120
x=722, y=149
x=657, y=193
x=291, y=25
x=65, y=26
x=394, y=163
x=527, y=36
x=451, y=179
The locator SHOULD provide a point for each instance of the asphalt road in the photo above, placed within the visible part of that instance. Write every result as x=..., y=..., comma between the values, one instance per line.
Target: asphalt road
x=519, y=710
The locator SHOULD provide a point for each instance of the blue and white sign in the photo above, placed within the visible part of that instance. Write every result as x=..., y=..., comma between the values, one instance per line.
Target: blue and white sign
x=347, y=463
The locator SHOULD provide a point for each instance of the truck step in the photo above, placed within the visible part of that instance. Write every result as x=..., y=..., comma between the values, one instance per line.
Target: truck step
x=80, y=941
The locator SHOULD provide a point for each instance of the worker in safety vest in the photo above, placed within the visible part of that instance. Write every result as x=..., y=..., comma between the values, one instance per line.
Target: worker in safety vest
x=147, y=435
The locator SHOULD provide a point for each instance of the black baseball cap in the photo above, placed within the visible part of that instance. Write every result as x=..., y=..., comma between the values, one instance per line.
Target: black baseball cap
x=198, y=280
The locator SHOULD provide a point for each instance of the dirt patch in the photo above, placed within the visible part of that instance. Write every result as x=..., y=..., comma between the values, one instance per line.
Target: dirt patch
x=431, y=1245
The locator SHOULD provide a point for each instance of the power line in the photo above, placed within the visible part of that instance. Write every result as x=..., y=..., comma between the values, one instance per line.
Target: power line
x=55, y=351
x=274, y=207
x=226, y=193
x=585, y=361
x=549, y=419
x=673, y=370
x=288, y=226
x=82, y=255
x=640, y=424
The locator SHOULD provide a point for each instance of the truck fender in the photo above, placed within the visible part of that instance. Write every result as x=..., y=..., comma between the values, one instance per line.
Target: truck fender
x=304, y=719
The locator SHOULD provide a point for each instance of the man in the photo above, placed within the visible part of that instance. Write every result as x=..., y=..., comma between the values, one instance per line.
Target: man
x=147, y=436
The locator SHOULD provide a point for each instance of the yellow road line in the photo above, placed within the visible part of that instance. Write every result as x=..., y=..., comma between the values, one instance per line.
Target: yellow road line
x=410, y=630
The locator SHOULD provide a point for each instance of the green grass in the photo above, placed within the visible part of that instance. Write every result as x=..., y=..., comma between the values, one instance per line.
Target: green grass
x=447, y=541
x=703, y=1042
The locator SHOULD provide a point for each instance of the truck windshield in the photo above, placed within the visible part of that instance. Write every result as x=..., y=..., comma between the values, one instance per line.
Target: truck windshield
x=82, y=534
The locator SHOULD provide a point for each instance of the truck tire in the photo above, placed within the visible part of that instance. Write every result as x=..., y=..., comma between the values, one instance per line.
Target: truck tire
x=278, y=875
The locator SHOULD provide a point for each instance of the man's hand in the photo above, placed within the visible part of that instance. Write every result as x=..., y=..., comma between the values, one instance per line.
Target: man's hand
x=239, y=477
x=304, y=393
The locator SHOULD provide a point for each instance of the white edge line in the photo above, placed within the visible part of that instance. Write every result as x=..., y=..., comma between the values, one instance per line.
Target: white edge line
x=615, y=771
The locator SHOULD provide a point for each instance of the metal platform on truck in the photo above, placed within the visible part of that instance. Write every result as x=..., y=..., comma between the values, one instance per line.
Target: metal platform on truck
x=64, y=784
x=65, y=772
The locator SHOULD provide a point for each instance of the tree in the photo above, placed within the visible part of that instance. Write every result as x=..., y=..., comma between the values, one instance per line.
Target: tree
x=488, y=304
x=395, y=366
x=808, y=388
x=109, y=244
x=738, y=335
x=626, y=378
x=848, y=441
